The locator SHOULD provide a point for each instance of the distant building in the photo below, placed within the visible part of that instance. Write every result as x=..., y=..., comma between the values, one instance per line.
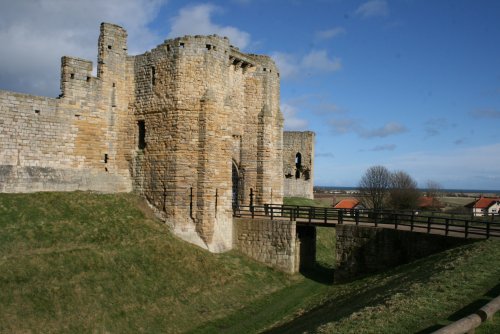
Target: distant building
x=429, y=202
x=349, y=204
x=485, y=206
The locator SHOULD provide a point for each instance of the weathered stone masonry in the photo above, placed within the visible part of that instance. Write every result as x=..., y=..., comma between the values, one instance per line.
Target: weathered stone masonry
x=298, y=164
x=194, y=125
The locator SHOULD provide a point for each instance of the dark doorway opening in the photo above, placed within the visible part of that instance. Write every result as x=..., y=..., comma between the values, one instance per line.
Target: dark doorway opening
x=236, y=183
x=298, y=165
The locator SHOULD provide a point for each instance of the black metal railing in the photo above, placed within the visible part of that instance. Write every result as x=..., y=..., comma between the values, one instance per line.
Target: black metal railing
x=409, y=220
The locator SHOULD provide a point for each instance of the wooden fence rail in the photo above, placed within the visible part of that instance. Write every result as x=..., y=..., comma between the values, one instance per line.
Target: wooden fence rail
x=409, y=220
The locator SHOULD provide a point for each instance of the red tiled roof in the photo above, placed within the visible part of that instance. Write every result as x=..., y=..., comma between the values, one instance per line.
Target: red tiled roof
x=429, y=202
x=348, y=203
x=483, y=202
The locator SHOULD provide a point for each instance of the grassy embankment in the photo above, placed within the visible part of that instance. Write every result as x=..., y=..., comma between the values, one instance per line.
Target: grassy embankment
x=80, y=262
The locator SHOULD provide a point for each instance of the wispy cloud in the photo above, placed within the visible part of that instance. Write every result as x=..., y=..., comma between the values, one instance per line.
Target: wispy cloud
x=292, y=120
x=324, y=155
x=319, y=60
x=344, y=126
x=329, y=33
x=434, y=126
x=316, y=61
x=373, y=8
x=485, y=113
x=197, y=20
x=347, y=125
x=385, y=147
x=388, y=129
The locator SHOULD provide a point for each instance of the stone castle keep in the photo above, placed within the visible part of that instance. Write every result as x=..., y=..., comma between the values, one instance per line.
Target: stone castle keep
x=193, y=125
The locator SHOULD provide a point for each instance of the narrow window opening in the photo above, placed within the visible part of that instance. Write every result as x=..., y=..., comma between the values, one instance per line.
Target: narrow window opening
x=153, y=75
x=88, y=79
x=106, y=158
x=265, y=69
x=72, y=75
x=37, y=111
x=209, y=47
x=298, y=164
x=168, y=47
x=181, y=45
x=109, y=47
x=114, y=84
x=141, y=126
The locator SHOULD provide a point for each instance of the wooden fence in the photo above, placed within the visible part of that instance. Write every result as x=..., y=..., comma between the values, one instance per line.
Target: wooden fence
x=412, y=221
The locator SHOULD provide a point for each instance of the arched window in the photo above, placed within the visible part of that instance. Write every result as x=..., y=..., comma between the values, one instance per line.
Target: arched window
x=298, y=164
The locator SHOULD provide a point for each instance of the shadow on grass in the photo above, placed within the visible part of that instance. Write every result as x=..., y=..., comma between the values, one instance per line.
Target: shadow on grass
x=319, y=273
x=467, y=310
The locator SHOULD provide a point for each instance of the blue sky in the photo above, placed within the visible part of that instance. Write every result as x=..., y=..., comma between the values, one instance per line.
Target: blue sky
x=413, y=85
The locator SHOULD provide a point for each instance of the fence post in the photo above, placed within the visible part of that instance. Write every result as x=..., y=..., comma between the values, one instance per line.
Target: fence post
x=447, y=226
x=272, y=212
x=375, y=213
x=311, y=211
x=488, y=229
x=429, y=224
x=340, y=218
x=412, y=221
x=326, y=217
x=395, y=221
x=466, y=229
x=356, y=216
x=266, y=209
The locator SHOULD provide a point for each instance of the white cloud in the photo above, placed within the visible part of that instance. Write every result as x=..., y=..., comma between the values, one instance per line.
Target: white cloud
x=329, y=33
x=287, y=64
x=197, y=20
x=38, y=33
x=373, y=8
x=292, y=121
x=316, y=61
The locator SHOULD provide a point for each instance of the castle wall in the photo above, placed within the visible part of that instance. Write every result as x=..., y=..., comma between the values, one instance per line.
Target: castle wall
x=72, y=142
x=170, y=123
x=298, y=179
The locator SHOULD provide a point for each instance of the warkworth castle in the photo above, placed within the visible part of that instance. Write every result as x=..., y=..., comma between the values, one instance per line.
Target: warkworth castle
x=194, y=126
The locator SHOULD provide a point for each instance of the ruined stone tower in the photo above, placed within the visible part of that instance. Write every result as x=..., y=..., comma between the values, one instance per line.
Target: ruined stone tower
x=193, y=125
x=298, y=164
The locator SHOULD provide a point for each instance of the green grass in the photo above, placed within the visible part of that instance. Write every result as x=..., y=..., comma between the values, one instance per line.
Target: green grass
x=304, y=202
x=82, y=262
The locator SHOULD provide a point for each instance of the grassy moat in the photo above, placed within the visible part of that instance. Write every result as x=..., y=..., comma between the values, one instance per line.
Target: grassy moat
x=83, y=262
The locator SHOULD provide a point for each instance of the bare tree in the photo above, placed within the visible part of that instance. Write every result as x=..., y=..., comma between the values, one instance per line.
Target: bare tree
x=373, y=186
x=403, y=193
x=434, y=191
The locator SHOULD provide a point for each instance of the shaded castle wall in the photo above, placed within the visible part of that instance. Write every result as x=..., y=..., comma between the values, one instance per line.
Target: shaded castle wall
x=298, y=178
x=206, y=106
x=51, y=144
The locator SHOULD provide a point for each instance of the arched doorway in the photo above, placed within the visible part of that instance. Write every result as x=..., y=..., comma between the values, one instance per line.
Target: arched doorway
x=236, y=183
